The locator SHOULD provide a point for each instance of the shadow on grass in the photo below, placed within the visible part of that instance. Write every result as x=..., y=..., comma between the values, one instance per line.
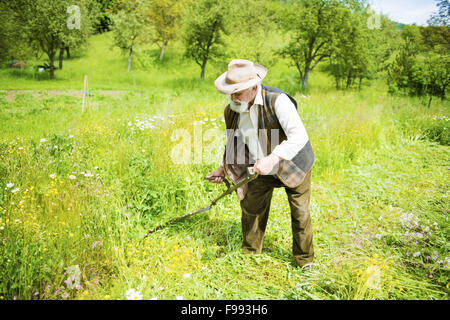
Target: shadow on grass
x=224, y=237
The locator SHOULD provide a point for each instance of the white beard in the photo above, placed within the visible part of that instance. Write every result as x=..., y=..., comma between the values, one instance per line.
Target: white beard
x=238, y=108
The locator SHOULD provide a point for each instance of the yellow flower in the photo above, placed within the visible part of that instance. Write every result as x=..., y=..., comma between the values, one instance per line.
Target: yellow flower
x=85, y=292
x=107, y=296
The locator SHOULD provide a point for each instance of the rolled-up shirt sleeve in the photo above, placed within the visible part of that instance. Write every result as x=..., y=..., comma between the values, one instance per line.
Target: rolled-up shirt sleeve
x=290, y=121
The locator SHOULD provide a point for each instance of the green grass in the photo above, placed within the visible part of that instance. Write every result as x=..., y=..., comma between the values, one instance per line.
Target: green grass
x=379, y=201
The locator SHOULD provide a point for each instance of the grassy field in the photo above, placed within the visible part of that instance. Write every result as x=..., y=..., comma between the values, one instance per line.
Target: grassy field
x=78, y=191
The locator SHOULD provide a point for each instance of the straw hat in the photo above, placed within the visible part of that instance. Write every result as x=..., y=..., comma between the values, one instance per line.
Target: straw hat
x=241, y=75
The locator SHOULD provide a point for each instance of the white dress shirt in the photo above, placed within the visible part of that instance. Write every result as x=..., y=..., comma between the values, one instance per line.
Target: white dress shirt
x=289, y=119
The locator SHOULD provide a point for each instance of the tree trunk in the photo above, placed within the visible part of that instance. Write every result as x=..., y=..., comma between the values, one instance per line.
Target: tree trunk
x=360, y=83
x=349, y=80
x=52, y=65
x=129, y=59
x=429, y=101
x=68, y=52
x=202, y=75
x=61, y=56
x=163, y=47
x=305, y=78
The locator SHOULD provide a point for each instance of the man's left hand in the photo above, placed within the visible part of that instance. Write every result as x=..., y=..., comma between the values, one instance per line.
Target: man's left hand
x=265, y=165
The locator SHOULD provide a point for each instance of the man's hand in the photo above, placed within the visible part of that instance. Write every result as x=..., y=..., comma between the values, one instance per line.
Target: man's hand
x=265, y=166
x=216, y=176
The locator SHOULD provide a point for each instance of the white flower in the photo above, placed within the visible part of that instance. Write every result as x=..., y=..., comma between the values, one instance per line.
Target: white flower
x=43, y=140
x=15, y=190
x=10, y=185
x=72, y=177
x=179, y=297
x=186, y=275
x=154, y=298
x=132, y=294
x=53, y=176
x=416, y=254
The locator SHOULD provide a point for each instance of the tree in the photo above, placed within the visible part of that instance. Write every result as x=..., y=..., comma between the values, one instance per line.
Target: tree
x=203, y=28
x=44, y=24
x=250, y=23
x=422, y=66
x=351, y=58
x=442, y=17
x=164, y=16
x=400, y=70
x=314, y=25
x=104, y=22
x=129, y=27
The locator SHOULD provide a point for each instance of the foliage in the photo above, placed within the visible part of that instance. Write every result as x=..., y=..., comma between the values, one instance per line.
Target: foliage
x=314, y=33
x=203, y=28
x=165, y=16
x=43, y=24
x=422, y=63
x=129, y=27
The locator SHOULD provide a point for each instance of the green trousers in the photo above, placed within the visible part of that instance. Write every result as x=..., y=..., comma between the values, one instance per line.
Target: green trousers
x=255, y=212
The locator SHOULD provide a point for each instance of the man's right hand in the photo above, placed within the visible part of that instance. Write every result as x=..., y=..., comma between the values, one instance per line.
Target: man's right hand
x=216, y=176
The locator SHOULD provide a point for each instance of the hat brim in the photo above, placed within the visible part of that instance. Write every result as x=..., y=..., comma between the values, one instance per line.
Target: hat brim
x=223, y=87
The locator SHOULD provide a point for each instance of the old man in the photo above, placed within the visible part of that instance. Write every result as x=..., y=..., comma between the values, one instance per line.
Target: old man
x=264, y=129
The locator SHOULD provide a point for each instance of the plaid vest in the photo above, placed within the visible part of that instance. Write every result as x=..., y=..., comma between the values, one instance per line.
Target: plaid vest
x=237, y=158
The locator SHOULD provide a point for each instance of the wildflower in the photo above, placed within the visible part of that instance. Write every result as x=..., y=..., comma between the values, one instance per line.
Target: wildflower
x=179, y=297
x=15, y=190
x=132, y=294
x=43, y=140
x=53, y=176
x=416, y=254
x=378, y=236
x=9, y=185
x=186, y=275
x=72, y=177
x=94, y=244
x=154, y=298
